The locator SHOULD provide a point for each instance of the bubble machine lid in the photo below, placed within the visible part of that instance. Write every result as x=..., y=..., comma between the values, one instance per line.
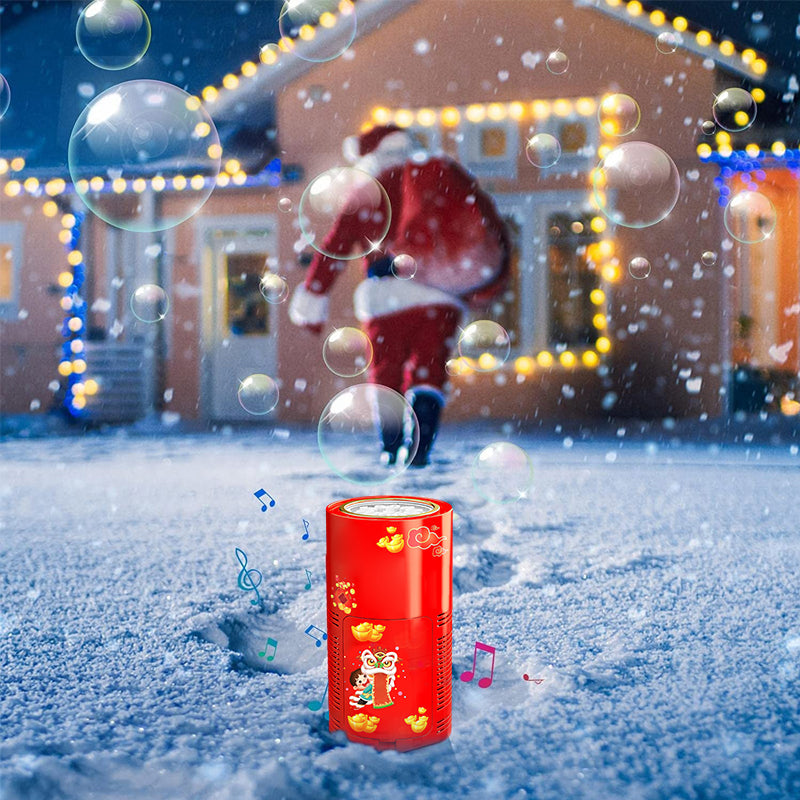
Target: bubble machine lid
x=389, y=507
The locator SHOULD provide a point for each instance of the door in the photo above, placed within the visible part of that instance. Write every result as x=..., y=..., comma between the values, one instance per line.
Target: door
x=240, y=326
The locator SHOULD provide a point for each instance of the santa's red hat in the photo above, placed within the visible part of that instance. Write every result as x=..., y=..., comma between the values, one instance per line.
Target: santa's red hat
x=370, y=140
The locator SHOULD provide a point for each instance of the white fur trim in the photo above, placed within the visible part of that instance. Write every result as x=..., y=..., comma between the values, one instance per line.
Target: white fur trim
x=377, y=297
x=392, y=151
x=307, y=308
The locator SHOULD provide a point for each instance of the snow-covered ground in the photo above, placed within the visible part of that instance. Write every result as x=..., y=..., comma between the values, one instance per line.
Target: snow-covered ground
x=654, y=589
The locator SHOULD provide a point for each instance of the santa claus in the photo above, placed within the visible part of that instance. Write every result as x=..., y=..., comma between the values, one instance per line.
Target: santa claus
x=442, y=220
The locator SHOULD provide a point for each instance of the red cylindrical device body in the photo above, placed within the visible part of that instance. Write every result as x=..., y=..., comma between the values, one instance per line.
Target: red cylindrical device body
x=389, y=567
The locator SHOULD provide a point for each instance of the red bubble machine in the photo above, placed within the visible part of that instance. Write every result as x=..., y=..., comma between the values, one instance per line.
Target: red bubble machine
x=389, y=568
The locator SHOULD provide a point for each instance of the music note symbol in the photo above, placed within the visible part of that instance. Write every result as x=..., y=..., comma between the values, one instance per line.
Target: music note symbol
x=259, y=494
x=318, y=642
x=308, y=574
x=467, y=676
x=316, y=705
x=537, y=681
x=270, y=643
x=305, y=525
x=246, y=581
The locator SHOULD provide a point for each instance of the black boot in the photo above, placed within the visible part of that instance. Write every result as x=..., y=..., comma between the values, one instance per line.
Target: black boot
x=392, y=438
x=427, y=406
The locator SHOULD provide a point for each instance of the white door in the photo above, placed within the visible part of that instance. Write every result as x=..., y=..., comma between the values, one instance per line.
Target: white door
x=240, y=330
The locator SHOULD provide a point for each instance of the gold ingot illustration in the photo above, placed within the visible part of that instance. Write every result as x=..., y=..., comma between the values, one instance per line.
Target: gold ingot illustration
x=362, y=723
x=417, y=724
x=393, y=544
x=391, y=529
x=367, y=632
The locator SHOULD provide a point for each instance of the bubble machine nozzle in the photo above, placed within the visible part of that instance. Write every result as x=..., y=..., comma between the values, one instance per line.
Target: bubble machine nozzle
x=389, y=567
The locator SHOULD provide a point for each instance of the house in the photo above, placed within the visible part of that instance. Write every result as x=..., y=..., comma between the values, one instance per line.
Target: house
x=605, y=319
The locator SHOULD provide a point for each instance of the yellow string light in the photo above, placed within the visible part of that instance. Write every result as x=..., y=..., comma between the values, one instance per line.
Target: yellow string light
x=13, y=188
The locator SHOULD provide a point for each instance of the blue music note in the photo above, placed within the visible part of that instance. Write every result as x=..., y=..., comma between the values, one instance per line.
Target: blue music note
x=308, y=574
x=305, y=525
x=270, y=643
x=316, y=705
x=318, y=642
x=259, y=494
x=246, y=581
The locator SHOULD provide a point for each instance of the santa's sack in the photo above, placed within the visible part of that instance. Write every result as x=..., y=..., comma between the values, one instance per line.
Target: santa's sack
x=450, y=227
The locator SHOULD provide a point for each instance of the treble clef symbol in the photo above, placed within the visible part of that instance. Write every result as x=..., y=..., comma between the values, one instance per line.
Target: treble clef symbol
x=247, y=583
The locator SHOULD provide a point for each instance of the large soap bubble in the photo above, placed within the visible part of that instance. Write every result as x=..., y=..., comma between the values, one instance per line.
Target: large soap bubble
x=144, y=137
x=734, y=109
x=502, y=473
x=345, y=195
x=350, y=438
x=750, y=217
x=113, y=34
x=636, y=185
x=317, y=30
x=5, y=96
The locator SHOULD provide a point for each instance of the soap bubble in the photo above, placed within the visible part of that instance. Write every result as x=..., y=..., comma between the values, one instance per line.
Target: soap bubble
x=619, y=115
x=485, y=344
x=734, y=109
x=636, y=185
x=144, y=128
x=317, y=30
x=274, y=288
x=750, y=217
x=404, y=267
x=709, y=258
x=667, y=42
x=347, y=352
x=344, y=192
x=285, y=205
x=457, y=366
x=349, y=432
x=149, y=303
x=639, y=267
x=258, y=394
x=557, y=62
x=708, y=127
x=502, y=473
x=5, y=96
x=543, y=150
x=113, y=34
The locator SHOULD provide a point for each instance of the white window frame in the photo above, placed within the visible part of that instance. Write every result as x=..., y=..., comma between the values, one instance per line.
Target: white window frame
x=469, y=149
x=567, y=162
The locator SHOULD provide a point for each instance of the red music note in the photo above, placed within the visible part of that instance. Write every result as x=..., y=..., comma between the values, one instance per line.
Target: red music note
x=537, y=681
x=467, y=676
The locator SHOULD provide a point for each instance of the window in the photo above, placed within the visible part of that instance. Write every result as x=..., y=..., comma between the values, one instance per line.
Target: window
x=247, y=312
x=574, y=319
x=578, y=137
x=10, y=264
x=490, y=149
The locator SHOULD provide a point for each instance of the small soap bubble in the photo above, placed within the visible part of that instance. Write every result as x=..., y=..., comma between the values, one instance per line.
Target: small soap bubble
x=636, y=185
x=5, y=96
x=340, y=193
x=543, y=150
x=138, y=128
x=285, y=205
x=619, y=115
x=734, y=109
x=639, y=267
x=750, y=217
x=274, y=288
x=457, y=366
x=668, y=42
x=317, y=30
x=709, y=258
x=149, y=303
x=485, y=344
x=557, y=62
x=258, y=394
x=113, y=34
x=357, y=423
x=347, y=352
x=708, y=127
x=502, y=473
x=404, y=267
